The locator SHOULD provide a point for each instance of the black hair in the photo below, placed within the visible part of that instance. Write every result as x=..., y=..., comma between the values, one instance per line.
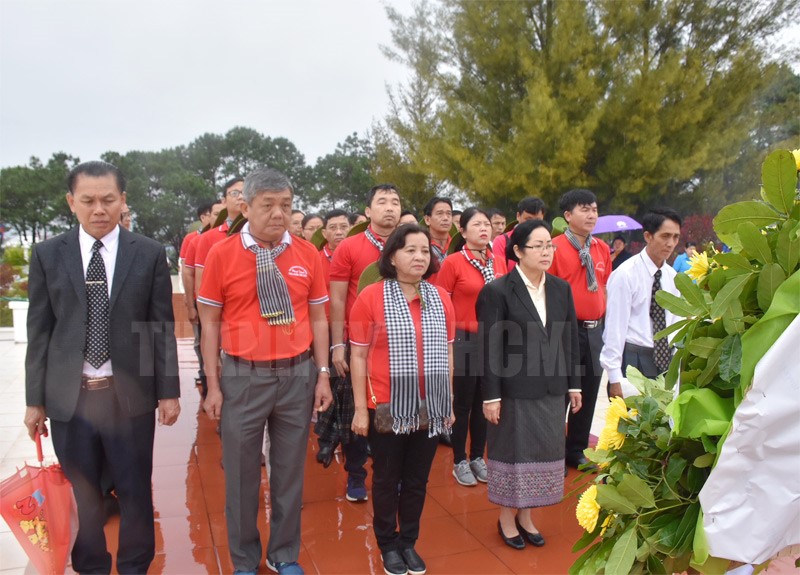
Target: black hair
x=230, y=182
x=428, y=209
x=334, y=214
x=466, y=216
x=353, y=217
x=620, y=238
x=298, y=212
x=396, y=242
x=457, y=212
x=408, y=213
x=95, y=169
x=576, y=197
x=652, y=220
x=520, y=235
x=691, y=245
x=531, y=205
x=492, y=212
x=380, y=188
x=308, y=217
x=205, y=208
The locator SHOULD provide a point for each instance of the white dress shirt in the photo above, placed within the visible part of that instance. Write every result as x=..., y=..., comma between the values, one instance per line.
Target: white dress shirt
x=630, y=289
x=109, y=254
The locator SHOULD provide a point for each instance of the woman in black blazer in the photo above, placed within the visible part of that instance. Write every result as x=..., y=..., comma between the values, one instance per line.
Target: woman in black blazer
x=530, y=342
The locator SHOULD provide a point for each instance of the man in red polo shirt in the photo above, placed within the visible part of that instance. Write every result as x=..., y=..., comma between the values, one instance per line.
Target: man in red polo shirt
x=585, y=263
x=266, y=292
x=335, y=227
x=349, y=260
x=438, y=214
x=233, y=201
x=527, y=209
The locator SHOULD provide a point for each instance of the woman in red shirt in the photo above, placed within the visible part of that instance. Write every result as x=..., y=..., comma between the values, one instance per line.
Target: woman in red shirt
x=463, y=275
x=401, y=333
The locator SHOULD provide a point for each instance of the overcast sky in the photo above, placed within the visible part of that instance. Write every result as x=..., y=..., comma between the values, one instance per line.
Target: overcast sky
x=89, y=76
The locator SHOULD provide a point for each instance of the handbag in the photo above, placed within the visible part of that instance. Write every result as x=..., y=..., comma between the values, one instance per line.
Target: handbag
x=384, y=421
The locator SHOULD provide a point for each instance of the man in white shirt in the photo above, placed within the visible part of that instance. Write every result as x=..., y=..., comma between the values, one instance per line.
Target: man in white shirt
x=632, y=315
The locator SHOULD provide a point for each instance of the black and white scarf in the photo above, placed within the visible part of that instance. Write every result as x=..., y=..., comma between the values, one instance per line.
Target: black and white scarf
x=585, y=256
x=486, y=269
x=274, y=301
x=373, y=240
x=403, y=360
x=438, y=252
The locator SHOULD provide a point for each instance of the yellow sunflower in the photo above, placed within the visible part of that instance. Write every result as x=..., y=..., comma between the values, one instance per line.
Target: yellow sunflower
x=700, y=266
x=610, y=437
x=588, y=510
x=796, y=154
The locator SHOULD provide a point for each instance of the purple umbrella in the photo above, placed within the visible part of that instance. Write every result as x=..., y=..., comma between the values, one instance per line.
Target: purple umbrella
x=613, y=224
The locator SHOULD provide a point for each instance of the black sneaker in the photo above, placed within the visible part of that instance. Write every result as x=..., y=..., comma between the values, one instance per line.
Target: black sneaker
x=415, y=564
x=393, y=563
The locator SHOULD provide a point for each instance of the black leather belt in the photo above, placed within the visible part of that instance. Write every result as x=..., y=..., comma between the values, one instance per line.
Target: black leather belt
x=274, y=363
x=589, y=324
x=96, y=383
x=638, y=349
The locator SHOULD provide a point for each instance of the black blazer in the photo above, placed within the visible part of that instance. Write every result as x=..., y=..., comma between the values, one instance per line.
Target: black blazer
x=142, y=343
x=524, y=359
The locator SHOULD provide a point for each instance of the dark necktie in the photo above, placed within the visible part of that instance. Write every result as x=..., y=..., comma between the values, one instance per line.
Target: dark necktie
x=96, y=352
x=658, y=320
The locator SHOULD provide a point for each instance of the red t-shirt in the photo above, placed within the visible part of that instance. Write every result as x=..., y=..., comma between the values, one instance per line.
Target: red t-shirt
x=499, y=250
x=206, y=240
x=352, y=255
x=188, y=239
x=589, y=306
x=325, y=257
x=229, y=282
x=463, y=282
x=368, y=328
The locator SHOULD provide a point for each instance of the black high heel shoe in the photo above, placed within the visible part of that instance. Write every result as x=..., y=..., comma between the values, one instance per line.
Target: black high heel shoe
x=534, y=539
x=517, y=542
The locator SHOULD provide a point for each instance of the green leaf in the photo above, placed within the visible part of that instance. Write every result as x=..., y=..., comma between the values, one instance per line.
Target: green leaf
x=703, y=346
x=779, y=177
x=609, y=498
x=623, y=554
x=671, y=328
x=704, y=460
x=760, y=214
x=734, y=261
x=716, y=280
x=730, y=361
x=768, y=281
x=698, y=411
x=754, y=242
x=729, y=292
x=655, y=566
x=675, y=467
x=587, y=538
x=676, y=305
x=709, y=445
x=690, y=291
x=733, y=319
x=711, y=369
x=787, y=250
x=671, y=378
x=685, y=533
x=637, y=491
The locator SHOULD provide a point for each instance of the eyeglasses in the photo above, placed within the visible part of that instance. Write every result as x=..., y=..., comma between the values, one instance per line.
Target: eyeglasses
x=543, y=248
x=235, y=194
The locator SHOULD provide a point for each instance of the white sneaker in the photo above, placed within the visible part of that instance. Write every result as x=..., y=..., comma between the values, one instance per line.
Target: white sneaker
x=463, y=474
x=478, y=468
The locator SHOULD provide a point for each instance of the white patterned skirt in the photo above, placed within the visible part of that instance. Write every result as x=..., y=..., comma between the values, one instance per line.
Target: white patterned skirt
x=526, y=453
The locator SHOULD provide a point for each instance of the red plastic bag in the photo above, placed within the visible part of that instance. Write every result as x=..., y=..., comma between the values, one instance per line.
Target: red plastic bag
x=38, y=504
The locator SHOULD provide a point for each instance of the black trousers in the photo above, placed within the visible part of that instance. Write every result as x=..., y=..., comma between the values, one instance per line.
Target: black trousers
x=467, y=398
x=100, y=433
x=590, y=342
x=642, y=358
x=400, y=468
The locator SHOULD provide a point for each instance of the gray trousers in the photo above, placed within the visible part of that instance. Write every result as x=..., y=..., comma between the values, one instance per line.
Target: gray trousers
x=253, y=397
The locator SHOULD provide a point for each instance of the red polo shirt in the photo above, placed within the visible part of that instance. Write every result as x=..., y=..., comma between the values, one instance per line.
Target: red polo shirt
x=499, y=250
x=229, y=282
x=463, y=282
x=349, y=260
x=188, y=239
x=589, y=306
x=206, y=240
x=368, y=328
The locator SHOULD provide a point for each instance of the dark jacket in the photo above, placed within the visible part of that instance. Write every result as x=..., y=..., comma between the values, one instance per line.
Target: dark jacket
x=141, y=330
x=524, y=359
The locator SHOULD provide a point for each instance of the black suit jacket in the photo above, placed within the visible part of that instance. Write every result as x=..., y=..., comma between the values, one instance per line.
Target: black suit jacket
x=141, y=330
x=523, y=358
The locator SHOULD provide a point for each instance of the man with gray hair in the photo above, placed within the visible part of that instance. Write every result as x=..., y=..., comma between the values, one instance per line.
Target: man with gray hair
x=268, y=333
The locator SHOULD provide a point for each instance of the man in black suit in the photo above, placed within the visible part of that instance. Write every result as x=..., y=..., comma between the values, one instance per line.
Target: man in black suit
x=101, y=358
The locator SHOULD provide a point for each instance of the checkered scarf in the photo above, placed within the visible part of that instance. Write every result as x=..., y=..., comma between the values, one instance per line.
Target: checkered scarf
x=586, y=257
x=274, y=301
x=438, y=252
x=403, y=362
x=373, y=240
x=487, y=269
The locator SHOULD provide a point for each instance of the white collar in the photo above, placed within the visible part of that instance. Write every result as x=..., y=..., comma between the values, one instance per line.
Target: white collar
x=528, y=282
x=649, y=264
x=109, y=240
x=248, y=241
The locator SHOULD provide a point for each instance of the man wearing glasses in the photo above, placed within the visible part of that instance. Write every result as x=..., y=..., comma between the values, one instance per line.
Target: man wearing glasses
x=585, y=263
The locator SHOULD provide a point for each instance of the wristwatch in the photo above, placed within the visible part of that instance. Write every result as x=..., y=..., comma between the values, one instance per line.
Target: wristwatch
x=324, y=369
